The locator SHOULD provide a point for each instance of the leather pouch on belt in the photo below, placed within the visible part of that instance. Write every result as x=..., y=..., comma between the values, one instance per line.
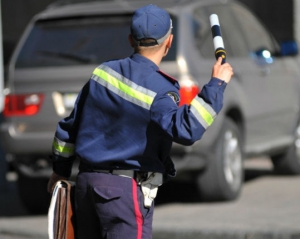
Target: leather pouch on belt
x=150, y=187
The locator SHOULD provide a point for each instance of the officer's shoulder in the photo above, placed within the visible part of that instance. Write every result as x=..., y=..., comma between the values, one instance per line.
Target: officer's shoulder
x=169, y=78
x=113, y=62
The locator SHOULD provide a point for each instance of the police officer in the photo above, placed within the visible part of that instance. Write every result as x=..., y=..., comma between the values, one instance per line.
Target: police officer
x=122, y=128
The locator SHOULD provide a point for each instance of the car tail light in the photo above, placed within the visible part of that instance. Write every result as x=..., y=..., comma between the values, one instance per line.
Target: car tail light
x=22, y=105
x=188, y=91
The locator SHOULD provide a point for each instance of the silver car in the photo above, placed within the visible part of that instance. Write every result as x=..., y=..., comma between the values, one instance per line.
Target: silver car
x=62, y=45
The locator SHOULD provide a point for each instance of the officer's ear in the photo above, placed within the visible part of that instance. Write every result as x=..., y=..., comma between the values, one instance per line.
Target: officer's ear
x=131, y=40
x=168, y=44
x=170, y=39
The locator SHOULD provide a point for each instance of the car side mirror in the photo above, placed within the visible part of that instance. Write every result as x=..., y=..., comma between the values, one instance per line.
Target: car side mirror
x=288, y=48
x=262, y=57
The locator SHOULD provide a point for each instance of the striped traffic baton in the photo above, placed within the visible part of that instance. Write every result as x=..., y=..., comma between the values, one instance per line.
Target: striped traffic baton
x=217, y=37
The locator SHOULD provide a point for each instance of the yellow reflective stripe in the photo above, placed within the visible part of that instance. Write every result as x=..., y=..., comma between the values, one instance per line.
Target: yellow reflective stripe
x=208, y=118
x=63, y=149
x=123, y=87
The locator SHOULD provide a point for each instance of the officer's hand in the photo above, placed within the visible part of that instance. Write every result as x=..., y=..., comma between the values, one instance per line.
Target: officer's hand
x=223, y=72
x=53, y=180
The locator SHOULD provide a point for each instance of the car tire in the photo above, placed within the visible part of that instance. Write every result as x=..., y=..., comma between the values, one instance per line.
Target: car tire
x=33, y=193
x=288, y=163
x=223, y=176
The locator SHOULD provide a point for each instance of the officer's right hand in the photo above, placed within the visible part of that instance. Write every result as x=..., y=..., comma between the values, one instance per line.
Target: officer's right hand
x=53, y=180
x=223, y=72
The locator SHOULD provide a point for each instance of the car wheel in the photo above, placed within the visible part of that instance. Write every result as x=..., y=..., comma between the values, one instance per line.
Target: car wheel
x=289, y=162
x=33, y=193
x=224, y=175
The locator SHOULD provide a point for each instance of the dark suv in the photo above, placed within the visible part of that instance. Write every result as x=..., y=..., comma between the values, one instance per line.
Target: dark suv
x=62, y=45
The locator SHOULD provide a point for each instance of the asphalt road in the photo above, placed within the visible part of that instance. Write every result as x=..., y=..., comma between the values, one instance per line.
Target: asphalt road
x=268, y=208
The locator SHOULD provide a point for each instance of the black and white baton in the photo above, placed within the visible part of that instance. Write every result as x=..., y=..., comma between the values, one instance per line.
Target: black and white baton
x=217, y=37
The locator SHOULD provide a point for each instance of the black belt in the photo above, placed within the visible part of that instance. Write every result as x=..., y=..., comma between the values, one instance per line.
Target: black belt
x=124, y=173
x=120, y=172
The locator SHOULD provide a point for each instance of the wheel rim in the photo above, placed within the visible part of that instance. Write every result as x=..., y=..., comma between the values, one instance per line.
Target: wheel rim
x=233, y=160
x=297, y=143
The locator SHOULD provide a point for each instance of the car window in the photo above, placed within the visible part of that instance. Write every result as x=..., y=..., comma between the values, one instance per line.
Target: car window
x=234, y=42
x=257, y=37
x=202, y=33
x=75, y=41
x=78, y=41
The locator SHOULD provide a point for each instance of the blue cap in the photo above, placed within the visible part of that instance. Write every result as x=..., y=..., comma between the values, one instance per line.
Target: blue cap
x=150, y=22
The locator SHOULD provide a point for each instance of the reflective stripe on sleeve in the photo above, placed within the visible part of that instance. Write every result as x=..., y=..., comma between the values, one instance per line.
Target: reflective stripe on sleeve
x=123, y=87
x=63, y=149
x=204, y=113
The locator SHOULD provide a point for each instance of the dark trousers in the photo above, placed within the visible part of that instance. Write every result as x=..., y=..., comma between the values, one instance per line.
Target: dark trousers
x=111, y=207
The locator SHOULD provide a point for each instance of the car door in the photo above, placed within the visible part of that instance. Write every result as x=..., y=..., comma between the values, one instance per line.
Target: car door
x=278, y=116
x=247, y=84
x=258, y=76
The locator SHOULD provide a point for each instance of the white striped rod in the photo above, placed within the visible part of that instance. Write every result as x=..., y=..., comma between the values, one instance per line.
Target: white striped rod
x=217, y=37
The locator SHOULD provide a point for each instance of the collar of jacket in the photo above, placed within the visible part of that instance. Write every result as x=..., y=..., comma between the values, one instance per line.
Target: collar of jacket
x=141, y=59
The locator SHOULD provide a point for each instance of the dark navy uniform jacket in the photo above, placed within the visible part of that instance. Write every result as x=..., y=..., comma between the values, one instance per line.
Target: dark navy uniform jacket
x=127, y=116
